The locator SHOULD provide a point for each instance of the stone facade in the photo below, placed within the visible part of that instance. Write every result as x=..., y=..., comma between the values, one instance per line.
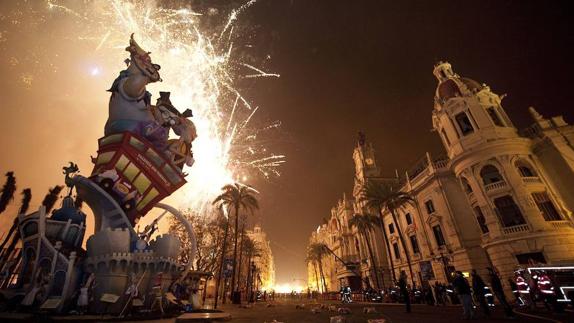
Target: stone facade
x=499, y=198
x=264, y=261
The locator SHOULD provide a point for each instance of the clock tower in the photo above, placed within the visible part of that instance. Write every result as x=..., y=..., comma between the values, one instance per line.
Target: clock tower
x=365, y=162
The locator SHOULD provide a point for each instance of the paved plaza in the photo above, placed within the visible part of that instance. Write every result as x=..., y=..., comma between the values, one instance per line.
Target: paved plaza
x=286, y=311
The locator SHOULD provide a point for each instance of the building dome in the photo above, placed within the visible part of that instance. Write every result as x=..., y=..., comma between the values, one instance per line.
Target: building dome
x=471, y=84
x=69, y=212
x=451, y=88
x=448, y=89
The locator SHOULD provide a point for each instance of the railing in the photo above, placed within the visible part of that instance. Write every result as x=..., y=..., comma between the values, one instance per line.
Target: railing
x=531, y=180
x=516, y=229
x=561, y=224
x=441, y=163
x=494, y=186
x=471, y=196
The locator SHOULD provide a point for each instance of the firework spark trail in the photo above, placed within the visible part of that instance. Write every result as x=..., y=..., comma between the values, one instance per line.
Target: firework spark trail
x=260, y=73
x=199, y=76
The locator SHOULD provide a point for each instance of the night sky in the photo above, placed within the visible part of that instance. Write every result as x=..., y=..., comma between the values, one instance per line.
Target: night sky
x=345, y=66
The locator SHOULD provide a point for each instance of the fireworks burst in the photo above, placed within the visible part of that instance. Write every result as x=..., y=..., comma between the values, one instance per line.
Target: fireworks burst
x=200, y=67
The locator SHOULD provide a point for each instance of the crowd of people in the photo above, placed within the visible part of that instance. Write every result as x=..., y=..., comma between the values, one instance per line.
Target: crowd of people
x=475, y=293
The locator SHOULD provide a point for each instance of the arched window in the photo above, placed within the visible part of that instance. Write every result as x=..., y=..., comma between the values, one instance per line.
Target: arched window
x=466, y=185
x=525, y=169
x=490, y=174
x=509, y=213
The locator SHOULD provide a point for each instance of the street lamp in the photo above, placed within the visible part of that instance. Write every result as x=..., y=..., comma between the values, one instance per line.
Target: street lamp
x=444, y=259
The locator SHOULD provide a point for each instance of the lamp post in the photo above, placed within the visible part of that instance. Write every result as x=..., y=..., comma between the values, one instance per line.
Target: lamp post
x=444, y=259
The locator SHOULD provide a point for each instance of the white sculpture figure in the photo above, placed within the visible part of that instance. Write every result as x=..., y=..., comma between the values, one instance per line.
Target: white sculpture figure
x=130, y=103
x=179, y=150
x=157, y=292
x=83, y=300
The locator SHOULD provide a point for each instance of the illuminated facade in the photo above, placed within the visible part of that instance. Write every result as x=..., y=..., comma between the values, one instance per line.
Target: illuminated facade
x=264, y=262
x=499, y=198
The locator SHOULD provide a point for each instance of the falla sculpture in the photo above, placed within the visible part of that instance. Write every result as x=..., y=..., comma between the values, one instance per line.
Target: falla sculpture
x=121, y=270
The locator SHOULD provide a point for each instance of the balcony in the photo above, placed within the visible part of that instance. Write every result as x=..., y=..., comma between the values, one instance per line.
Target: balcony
x=471, y=197
x=516, y=229
x=531, y=180
x=561, y=224
x=495, y=186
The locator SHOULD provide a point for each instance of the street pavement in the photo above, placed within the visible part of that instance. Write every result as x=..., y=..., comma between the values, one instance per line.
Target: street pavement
x=286, y=311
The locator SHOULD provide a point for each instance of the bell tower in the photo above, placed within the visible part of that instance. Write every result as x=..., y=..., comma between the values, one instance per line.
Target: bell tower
x=364, y=157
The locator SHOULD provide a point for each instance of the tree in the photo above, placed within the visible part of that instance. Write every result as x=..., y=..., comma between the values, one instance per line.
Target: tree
x=310, y=259
x=241, y=249
x=318, y=251
x=209, y=233
x=382, y=196
x=365, y=225
x=237, y=196
x=26, y=197
x=8, y=190
x=252, y=250
x=223, y=251
x=51, y=198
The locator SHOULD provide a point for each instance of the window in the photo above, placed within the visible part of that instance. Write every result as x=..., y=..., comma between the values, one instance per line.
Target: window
x=391, y=228
x=445, y=137
x=409, y=219
x=464, y=123
x=546, y=206
x=414, y=244
x=494, y=116
x=508, y=211
x=525, y=170
x=490, y=175
x=438, y=235
x=466, y=185
x=396, y=251
x=430, y=207
x=480, y=219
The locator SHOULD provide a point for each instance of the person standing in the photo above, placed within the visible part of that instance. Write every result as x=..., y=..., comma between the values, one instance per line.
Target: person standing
x=479, y=288
x=463, y=290
x=498, y=291
x=404, y=291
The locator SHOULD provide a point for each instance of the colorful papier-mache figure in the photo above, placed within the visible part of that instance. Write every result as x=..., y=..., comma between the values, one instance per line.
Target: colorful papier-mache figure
x=130, y=102
x=130, y=109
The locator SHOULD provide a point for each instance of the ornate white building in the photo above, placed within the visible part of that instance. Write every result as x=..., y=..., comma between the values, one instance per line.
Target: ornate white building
x=501, y=198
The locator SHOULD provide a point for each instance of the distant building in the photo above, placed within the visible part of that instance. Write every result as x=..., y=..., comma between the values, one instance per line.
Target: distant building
x=264, y=260
x=500, y=198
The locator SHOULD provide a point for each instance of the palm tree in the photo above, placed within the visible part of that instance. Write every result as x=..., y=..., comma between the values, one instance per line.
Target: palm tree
x=310, y=259
x=381, y=196
x=251, y=250
x=27, y=196
x=51, y=198
x=7, y=191
x=237, y=196
x=319, y=250
x=365, y=225
x=223, y=250
x=241, y=247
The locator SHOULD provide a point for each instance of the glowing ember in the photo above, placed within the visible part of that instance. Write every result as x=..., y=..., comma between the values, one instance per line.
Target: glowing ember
x=199, y=69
